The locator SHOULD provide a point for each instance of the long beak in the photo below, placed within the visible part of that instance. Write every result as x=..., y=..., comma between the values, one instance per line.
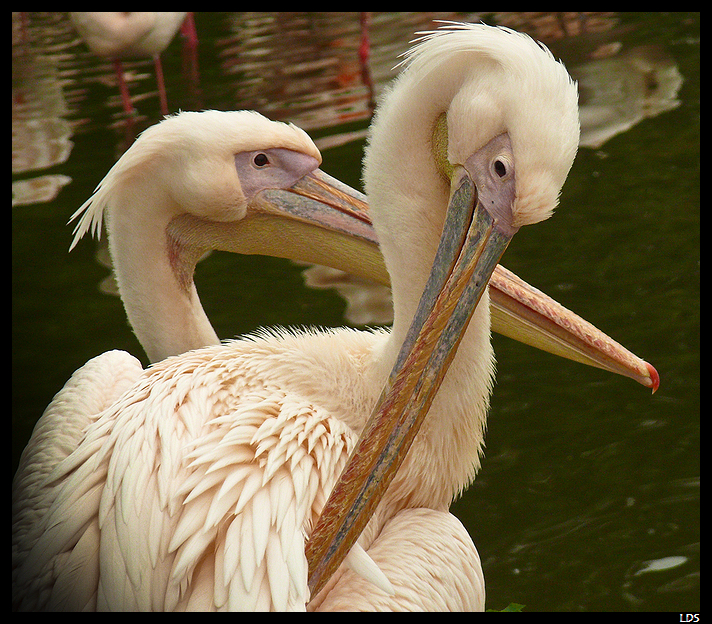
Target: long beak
x=519, y=311
x=323, y=221
x=470, y=247
x=526, y=314
x=318, y=220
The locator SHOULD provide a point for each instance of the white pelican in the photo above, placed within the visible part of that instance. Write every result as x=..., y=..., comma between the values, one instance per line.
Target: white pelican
x=120, y=34
x=193, y=484
x=143, y=194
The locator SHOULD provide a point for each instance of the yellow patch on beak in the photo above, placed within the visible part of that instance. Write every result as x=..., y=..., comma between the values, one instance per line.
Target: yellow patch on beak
x=440, y=147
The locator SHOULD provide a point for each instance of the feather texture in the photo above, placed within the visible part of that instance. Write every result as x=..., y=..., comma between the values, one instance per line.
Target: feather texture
x=194, y=484
x=171, y=488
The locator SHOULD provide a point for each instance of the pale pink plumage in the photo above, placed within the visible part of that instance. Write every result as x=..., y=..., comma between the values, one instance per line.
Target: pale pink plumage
x=196, y=487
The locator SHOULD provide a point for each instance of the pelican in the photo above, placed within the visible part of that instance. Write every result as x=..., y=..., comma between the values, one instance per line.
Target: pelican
x=157, y=288
x=119, y=34
x=194, y=484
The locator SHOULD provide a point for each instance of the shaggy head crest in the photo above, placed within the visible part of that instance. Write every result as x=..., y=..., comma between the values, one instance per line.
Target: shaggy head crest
x=210, y=138
x=504, y=81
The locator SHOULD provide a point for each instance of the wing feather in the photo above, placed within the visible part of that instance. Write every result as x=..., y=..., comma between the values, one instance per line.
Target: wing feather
x=182, y=496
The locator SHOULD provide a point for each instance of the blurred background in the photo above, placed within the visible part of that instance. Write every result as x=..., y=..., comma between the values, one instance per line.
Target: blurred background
x=588, y=498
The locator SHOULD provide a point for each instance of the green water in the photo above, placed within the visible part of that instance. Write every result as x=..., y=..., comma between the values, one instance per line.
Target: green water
x=586, y=477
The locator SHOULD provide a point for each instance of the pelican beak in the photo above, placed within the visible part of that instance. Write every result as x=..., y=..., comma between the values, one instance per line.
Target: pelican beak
x=526, y=314
x=475, y=235
x=323, y=221
x=318, y=220
x=471, y=244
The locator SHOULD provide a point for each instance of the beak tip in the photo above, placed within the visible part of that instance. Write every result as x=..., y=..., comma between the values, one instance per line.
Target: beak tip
x=654, y=377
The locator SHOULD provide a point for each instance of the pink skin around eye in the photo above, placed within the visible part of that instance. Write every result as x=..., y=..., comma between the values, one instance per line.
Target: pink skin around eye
x=286, y=167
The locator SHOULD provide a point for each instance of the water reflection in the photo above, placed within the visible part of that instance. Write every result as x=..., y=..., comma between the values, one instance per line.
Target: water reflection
x=302, y=67
x=318, y=70
x=621, y=91
x=40, y=131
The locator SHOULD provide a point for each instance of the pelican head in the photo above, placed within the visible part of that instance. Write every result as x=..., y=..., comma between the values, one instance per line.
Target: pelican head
x=473, y=141
x=233, y=181
x=490, y=100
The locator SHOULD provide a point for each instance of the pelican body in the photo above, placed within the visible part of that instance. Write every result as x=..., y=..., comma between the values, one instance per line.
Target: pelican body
x=239, y=476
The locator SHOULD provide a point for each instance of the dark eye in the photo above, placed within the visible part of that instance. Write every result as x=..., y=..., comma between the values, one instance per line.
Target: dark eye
x=499, y=168
x=260, y=160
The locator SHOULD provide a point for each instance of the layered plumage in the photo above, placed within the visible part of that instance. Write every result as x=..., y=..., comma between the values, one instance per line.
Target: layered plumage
x=195, y=488
x=194, y=483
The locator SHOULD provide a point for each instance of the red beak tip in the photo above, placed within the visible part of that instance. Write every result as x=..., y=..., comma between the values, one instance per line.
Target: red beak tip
x=654, y=377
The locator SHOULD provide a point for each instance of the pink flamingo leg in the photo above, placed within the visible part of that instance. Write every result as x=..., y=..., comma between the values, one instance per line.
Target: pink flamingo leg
x=189, y=31
x=161, y=85
x=123, y=88
x=364, y=52
x=190, y=49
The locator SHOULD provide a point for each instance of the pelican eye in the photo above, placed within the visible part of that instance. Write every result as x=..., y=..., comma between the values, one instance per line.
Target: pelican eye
x=260, y=160
x=499, y=168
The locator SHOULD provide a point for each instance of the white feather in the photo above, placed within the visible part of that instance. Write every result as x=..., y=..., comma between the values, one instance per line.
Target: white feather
x=359, y=561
